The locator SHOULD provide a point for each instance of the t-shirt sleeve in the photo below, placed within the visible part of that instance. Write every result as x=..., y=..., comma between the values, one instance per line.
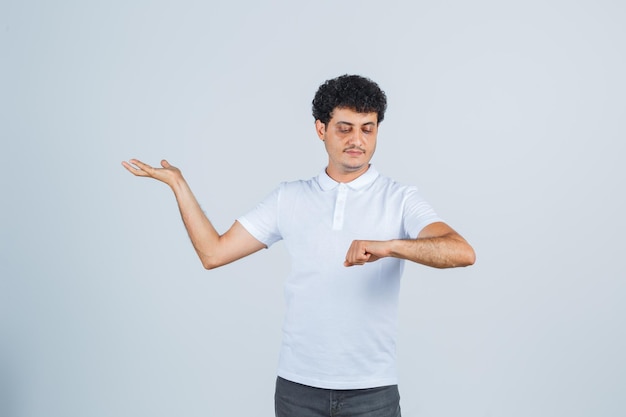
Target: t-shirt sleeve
x=262, y=221
x=417, y=213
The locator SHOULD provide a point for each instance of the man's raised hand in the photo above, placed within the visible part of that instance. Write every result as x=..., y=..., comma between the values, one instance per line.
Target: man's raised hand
x=168, y=174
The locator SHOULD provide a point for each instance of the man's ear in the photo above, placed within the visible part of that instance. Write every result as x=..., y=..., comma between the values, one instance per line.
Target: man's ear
x=320, y=128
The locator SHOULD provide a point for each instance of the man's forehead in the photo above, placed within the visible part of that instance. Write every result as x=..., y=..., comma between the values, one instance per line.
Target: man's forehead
x=351, y=116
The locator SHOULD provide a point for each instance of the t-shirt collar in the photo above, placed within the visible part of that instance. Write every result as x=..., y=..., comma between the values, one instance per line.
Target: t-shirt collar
x=361, y=181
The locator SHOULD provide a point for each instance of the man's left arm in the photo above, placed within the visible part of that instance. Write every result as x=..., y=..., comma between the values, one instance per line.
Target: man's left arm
x=437, y=245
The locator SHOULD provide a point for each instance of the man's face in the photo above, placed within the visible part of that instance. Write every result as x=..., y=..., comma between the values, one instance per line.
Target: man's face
x=350, y=141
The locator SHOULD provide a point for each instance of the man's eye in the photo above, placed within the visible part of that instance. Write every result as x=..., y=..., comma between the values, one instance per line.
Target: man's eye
x=344, y=130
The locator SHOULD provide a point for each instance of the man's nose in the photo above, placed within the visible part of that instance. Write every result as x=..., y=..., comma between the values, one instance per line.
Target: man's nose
x=357, y=137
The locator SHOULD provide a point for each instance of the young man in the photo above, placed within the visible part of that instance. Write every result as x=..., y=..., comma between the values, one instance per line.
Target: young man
x=348, y=231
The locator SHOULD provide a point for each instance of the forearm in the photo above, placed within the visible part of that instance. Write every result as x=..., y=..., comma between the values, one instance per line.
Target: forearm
x=204, y=238
x=446, y=251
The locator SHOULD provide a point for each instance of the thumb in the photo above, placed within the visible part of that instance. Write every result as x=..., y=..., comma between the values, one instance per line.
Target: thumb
x=165, y=164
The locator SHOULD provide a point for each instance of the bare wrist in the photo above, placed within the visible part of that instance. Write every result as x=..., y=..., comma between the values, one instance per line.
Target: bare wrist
x=178, y=183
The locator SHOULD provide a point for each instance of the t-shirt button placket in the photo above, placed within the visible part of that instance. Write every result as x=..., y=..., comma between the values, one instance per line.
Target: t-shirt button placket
x=340, y=206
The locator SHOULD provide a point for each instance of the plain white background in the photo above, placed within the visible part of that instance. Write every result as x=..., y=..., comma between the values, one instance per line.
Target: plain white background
x=509, y=117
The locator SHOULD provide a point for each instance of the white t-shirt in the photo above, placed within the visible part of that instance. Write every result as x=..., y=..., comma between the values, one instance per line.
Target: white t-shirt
x=341, y=322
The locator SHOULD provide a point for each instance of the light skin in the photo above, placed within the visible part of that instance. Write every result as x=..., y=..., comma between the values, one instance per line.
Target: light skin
x=213, y=249
x=350, y=141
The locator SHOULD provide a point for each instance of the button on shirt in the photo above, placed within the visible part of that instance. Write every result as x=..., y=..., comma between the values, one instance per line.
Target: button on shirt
x=341, y=322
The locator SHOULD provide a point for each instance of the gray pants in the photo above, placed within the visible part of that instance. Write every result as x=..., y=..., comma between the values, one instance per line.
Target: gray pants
x=296, y=400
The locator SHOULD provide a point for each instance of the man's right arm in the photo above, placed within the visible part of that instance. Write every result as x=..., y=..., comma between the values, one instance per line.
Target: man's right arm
x=213, y=249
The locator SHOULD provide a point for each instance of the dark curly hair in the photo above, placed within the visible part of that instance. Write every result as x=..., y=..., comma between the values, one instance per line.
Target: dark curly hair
x=350, y=92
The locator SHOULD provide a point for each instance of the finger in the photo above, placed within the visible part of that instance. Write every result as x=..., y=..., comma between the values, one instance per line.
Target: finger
x=143, y=166
x=373, y=258
x=353, y=263
x=133, y=169
x=165, y=164
x=352, y=256
x=138, y=168
x=348, y=262
x=360, y=255
x=356, y=258
x=144, y=169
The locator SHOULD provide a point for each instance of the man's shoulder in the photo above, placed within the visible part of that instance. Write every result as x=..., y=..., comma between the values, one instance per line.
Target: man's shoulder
x=390, y=183
x=299, y=184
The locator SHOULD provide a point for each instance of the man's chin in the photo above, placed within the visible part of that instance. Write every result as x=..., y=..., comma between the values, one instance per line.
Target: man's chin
x=355, y=167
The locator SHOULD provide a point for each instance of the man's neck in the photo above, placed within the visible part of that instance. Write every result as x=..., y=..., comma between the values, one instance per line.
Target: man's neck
x=346, y=176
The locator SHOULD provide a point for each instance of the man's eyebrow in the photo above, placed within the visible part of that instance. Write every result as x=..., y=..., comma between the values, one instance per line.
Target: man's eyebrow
x=341, y=122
